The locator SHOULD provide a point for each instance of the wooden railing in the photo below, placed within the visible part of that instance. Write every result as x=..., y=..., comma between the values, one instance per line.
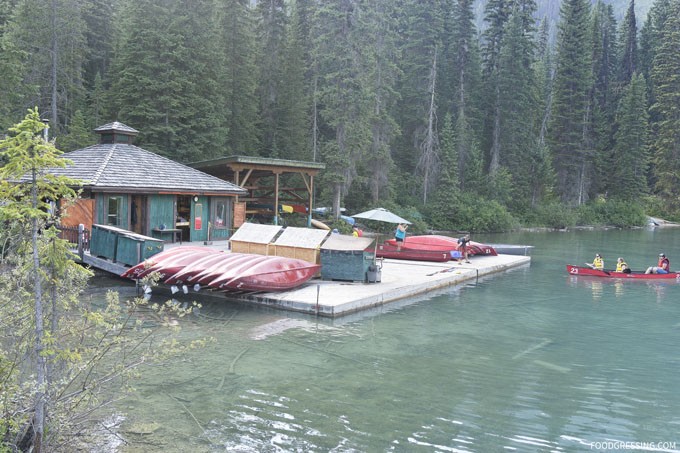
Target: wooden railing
x=76, y=235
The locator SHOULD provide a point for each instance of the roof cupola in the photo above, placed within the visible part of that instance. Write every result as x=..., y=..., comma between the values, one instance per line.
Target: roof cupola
x=115, y=133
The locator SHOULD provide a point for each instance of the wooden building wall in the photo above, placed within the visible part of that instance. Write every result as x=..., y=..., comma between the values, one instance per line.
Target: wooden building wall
x=161, y=211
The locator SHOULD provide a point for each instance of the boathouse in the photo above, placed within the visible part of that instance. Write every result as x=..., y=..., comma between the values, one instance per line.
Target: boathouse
x=133, y=189
x=262, y=178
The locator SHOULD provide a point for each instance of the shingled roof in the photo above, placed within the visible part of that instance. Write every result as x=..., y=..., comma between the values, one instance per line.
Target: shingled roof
x=128, y=168
x=116, y=127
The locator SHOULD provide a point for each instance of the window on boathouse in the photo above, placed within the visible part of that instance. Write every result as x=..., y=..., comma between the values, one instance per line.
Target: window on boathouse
x=114, y=211
x=221, y=213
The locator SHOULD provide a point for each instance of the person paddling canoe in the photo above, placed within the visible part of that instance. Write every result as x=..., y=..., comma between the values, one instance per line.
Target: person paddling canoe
x=598, y=263
x=663, y=267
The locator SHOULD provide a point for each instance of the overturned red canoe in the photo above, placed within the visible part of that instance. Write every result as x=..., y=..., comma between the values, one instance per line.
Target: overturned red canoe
x=226, y=271
x=157, y=262
x=434, y=242
x=191, y=271
x=273, y=273
x=391, y=251
x=608, y=273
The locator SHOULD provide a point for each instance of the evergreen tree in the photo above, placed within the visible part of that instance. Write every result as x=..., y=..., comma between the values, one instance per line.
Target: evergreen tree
x=496, y=14
x=601, y=100
x=572, y=159
x=465, y=75
x=270, y=35
x=379, y=25
x=78, y=136
x=165, y=78
x=422, y=24
x=49, y=36
x=665, y=72
x=517, y=128
x=293, y=106
x=345, y=102
x=629, y=161
x=628, y=46
x=236, y=62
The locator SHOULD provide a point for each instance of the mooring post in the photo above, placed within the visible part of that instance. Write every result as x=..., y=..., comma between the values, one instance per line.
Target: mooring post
x=81, y=240
x=318, y=288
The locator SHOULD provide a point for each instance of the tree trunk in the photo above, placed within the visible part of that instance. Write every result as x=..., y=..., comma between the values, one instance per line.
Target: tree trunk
x=429, y=159
x=39, y=415
x=496, y=135
x=315, y=126
x=54, y=65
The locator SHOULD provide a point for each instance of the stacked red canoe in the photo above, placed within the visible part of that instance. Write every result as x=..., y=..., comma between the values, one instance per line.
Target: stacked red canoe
x=225, y=271
x=431, y=248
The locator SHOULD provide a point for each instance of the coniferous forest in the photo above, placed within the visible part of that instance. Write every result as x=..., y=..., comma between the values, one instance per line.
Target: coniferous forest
x=411, y=106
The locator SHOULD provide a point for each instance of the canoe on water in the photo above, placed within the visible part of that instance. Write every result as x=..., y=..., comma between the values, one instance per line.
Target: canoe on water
x=609, y=273
x=435, y=242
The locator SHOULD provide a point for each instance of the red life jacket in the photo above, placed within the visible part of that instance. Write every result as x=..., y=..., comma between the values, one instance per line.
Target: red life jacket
x=668, y=263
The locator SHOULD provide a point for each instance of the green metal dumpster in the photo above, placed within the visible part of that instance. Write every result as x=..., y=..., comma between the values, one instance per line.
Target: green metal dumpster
x=345, y=258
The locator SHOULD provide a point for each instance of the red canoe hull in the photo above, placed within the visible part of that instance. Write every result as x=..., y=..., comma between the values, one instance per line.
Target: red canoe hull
x=407, y=253
x=227, y=271
x=639, y=275
x=434, y=242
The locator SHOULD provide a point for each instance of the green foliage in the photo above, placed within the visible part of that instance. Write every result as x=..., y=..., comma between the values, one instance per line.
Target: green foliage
x=617, y=213
x=572, y=157
x=78, y=136
x=467, y=212
x=58, y=355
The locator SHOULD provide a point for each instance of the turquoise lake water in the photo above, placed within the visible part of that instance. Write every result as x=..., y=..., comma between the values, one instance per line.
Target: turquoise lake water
x=531, y=359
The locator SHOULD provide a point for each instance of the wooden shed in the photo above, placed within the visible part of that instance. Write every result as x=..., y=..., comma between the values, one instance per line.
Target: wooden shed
x=254, y=238
x=300, y=243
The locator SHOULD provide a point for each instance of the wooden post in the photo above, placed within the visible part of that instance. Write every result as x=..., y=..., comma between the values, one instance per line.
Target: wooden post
x=81, y=239
x=276, y=198
x=311, y=201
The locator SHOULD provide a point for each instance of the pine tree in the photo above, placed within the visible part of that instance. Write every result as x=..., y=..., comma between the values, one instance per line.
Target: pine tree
x=293, y=110
x=601, y=94
x=517, y=126
x=629, y=161
x=628, y=47
x=346, y=106
x=165, y=78
x=235, y=38
x=270, y=19
x=466, y=78
x=78, y=135
x=49, y=35
x=422, y=24
x=571, y=158
x=496, y=14
x=665, y=73
x=380, y=26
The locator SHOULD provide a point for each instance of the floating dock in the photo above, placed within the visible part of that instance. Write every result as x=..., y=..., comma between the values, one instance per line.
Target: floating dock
x=400, y=279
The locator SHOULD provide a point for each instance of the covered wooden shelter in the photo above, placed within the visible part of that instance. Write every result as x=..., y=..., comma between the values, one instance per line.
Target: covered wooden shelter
x=247, y=172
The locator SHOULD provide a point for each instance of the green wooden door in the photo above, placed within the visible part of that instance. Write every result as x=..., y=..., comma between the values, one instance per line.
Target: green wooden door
x=200, y=215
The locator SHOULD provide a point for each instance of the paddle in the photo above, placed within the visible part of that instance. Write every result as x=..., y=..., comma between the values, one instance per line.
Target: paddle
x=601, y=270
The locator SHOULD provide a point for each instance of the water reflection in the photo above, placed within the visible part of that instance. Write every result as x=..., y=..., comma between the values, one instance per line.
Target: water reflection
x=520, y=361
